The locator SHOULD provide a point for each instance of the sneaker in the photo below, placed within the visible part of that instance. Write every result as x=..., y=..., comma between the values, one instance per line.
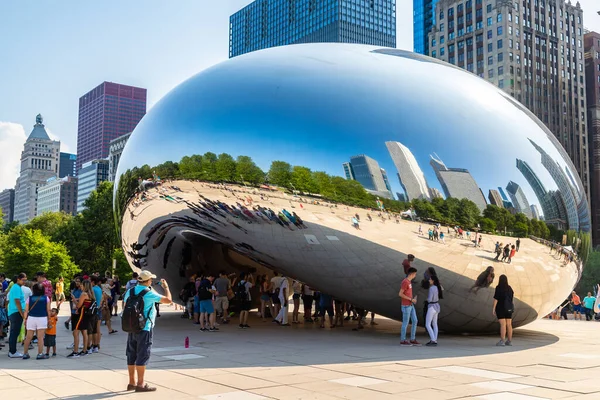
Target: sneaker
x=83, y=353
x=95, y=349
x=508, y=343
x=500, y=343
x=213, y=329
x=15, y=355
x=241, y=326
x=53, y=354
x=196, y=323
x=431, y=343
x=203, y=330
x=405, y=343
x=246, y=326
x=67, y=325
x=42, y=357
x=415, y=343
x=89, y=351
x=70, y=347
x=26, y=356
x=73, y=355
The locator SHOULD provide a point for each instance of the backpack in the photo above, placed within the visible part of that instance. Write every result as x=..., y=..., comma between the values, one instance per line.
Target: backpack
x=92, y=309
x=240, y=291
x=133, y=319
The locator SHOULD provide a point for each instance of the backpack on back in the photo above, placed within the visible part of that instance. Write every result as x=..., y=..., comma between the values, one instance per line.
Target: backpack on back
x=240, y=291
x=133, y=319
x=92, y=309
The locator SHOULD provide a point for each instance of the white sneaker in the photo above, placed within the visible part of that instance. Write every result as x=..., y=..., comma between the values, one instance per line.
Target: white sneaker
x=15, y=355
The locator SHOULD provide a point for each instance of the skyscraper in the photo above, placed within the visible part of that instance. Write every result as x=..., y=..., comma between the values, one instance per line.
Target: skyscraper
x=270, y=23
x=410, y=174
x=105, y=113
x=518, y=198
x=458, y=183
x=67, y=165
x=348, y=173
x=505, y=201
x=39, y=162
x=495, y=198
x=386, y=181
x=532, y=50
x=367, y=172
x=423, y=21
x=89, y=177
x=115, y=151
x=58, y=194
x=7, y=205
x=535, y=212
x=592, y=76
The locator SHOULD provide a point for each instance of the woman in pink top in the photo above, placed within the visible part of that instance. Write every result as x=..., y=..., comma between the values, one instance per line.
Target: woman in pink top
x=512, y=253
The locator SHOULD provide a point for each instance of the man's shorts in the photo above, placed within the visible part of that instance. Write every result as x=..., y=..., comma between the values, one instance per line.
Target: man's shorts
x=245, y=305
x=275, y=298
x=328, y=309
x=206, y=306
x=139, y=347
x=93, y=325
x=60, y=297
x=196, y=305
x=221, y=303
x=49, y=340
x=578, y=308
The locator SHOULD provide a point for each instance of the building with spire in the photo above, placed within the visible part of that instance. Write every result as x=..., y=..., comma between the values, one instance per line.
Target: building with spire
x=39, y=162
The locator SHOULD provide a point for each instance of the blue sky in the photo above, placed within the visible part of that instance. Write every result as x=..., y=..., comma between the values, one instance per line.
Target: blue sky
x=56, y=51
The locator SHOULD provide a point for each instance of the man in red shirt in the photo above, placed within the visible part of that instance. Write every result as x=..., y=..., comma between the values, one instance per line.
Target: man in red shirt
x=408, y=309
x=406, y=263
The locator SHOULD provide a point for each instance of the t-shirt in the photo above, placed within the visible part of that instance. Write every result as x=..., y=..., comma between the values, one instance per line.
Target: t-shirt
x=106, y=289
x=297, y=287
x=501, y=295
x=284, y=285
x=588, y=302
x=5, y=285
x=60, y=287
x=276, y=281
x=16, y=293
x=131, y=284
x=576, y=300
x=325, y=300
x=149, y=300
x=407, y=291
x=406, y=265
x=221, y=284
x=26, y=292
x=53, y=321
x=47, y=288
x=98, y=295
x=75, y=299
x=204, y=290
x=308, y=291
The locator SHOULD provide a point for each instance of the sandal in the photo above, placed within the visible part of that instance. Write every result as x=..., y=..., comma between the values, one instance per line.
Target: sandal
x=131, y=387
x=145, y=388
x=113, y=331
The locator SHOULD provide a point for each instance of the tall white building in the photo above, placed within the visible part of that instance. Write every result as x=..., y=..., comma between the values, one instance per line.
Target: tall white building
x=115, y=150
x=59, y=194
x=39, y=162
x=410, y=174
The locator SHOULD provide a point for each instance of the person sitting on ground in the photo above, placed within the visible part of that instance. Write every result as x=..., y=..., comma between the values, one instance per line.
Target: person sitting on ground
x=484, y=279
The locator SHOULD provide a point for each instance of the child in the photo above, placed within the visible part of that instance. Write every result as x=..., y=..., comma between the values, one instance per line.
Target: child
x=50, y=338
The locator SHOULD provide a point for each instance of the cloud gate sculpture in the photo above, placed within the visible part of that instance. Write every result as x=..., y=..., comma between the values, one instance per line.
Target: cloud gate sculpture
x=302, y=159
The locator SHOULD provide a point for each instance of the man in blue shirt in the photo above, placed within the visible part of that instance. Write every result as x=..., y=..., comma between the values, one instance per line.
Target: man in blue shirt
x=4, y=282
x=16, y=308
x=94, y=329
x=139, y=345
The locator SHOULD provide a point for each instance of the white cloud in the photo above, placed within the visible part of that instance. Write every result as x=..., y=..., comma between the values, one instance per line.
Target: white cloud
x=12, y=139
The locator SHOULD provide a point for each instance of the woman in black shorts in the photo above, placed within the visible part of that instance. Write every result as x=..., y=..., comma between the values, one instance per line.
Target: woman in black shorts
x=503, y=310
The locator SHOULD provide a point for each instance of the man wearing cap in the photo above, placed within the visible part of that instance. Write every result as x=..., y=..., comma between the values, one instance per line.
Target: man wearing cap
x=139, y=344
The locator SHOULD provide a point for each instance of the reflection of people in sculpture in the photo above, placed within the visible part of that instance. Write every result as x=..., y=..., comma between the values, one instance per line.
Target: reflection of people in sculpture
x=484, y=279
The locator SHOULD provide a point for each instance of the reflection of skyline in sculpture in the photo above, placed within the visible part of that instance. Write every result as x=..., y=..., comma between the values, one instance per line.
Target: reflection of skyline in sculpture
x=564, y=187
x=518, y=198
x=495, y=198
x=535, y=212
x=507, y=204
x=410, y=174
x=458, y=183
x=386, y=181
x=369, y=174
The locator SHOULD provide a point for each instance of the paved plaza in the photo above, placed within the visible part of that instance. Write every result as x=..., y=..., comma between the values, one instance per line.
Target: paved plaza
x=549, y=360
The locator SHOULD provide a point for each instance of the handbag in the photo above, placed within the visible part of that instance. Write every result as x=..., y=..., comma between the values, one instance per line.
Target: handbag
x=508, y=304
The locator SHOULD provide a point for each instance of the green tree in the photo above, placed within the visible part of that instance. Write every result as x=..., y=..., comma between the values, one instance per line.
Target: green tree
x=323, y=183
x=209, y=166
x=521, y=229
x=247, y=170
x=302, y=179
x=225, y=168
x=488, y=225
x=425, y=209
x=167, y=170
x=280, y=173
x=190, y=167
x=468, y=213
x=50, y=223
x=27, y=250
x=591, y=273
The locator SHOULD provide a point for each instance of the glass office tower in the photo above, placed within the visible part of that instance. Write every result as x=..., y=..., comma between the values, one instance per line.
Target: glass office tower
x=270, y=23
x=423, y=21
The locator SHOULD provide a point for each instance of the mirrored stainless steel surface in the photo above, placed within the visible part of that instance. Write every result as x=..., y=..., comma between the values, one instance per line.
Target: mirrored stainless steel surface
x=261, y=163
